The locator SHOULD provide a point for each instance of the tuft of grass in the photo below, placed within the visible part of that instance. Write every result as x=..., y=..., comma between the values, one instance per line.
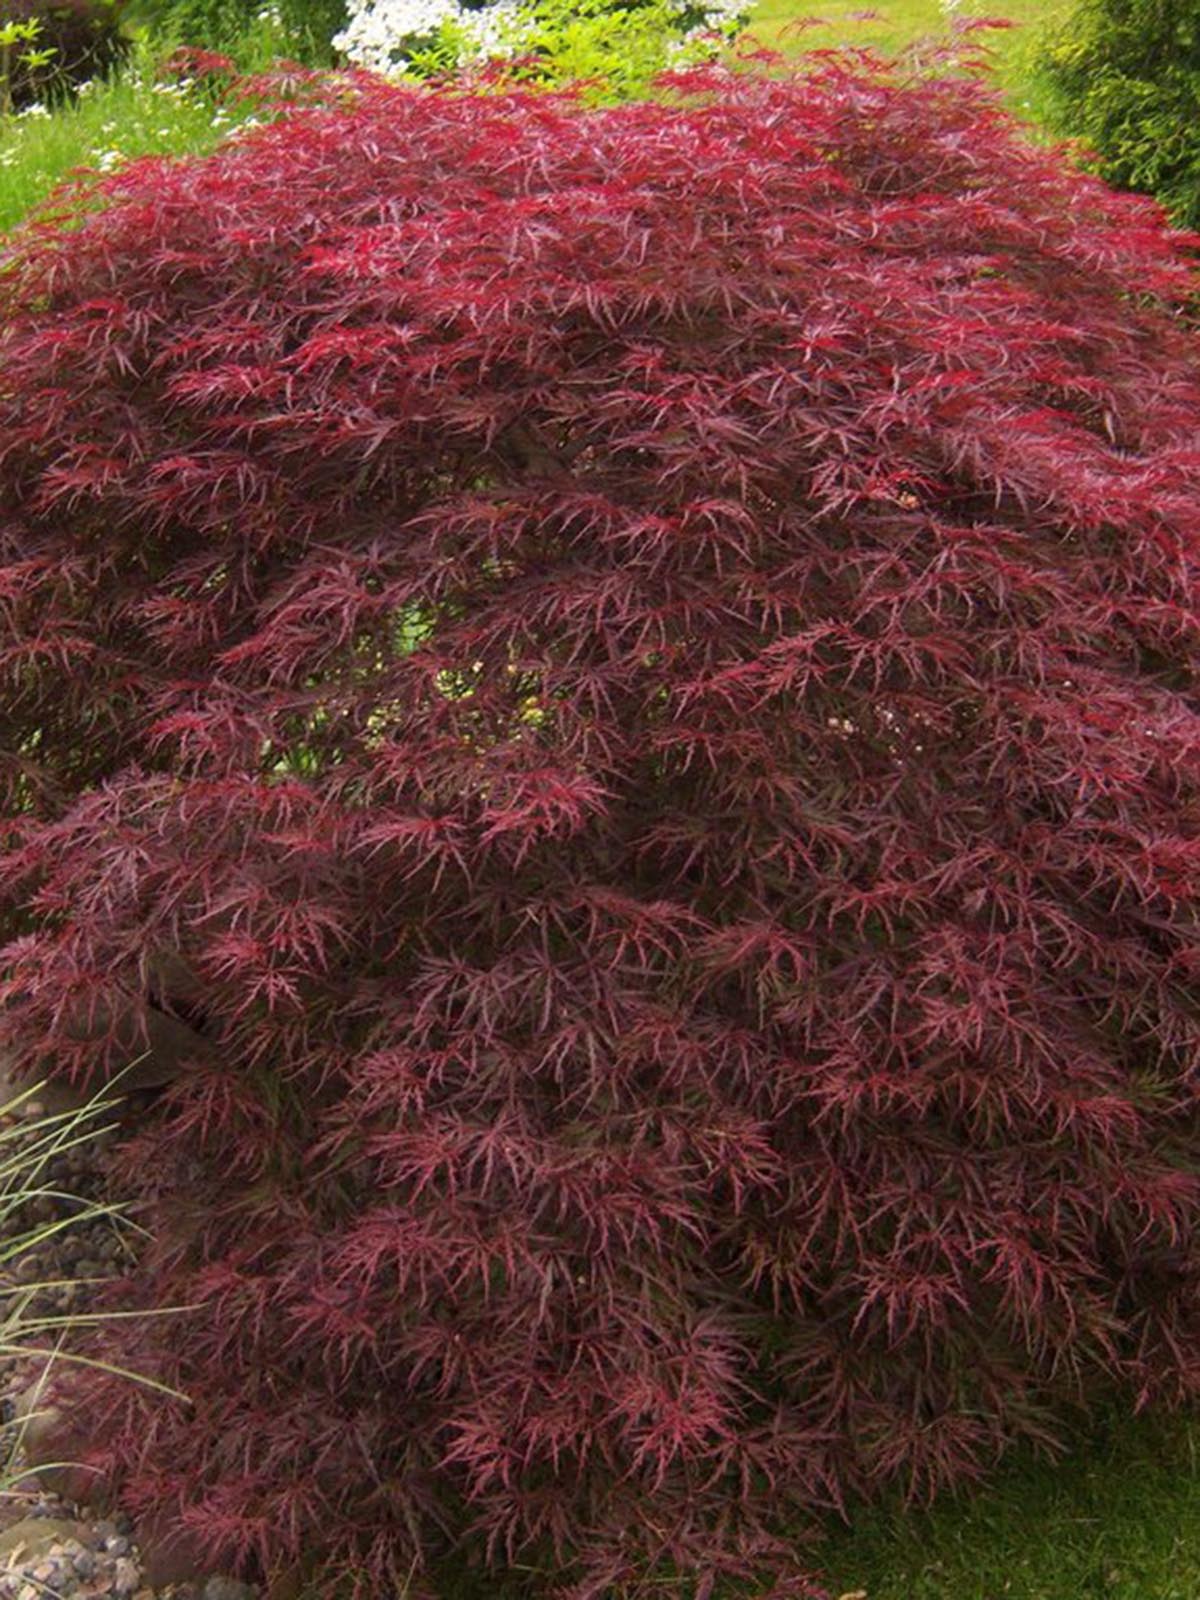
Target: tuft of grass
x=1118, y=1520
x=29, y=1150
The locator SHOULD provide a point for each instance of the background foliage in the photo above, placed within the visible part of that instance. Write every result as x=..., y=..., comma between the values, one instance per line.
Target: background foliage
x=82, y=40
x=1127, y=79
x=300, y=28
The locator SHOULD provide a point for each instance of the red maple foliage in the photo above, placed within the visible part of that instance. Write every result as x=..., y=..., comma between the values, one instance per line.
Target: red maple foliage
x=634, y=674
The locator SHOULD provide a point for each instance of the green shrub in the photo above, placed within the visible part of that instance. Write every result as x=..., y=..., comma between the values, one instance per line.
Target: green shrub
x=72, y=41
x=619, y=50
x=1125, y=78
x=253, y=32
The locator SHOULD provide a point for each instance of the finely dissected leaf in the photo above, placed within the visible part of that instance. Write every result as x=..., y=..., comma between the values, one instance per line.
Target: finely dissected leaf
x=632, y=676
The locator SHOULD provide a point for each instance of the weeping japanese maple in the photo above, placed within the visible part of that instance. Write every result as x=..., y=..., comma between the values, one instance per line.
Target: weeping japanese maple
x=631, y=676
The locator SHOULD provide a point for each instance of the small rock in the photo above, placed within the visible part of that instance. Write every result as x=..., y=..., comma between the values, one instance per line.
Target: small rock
x=227, y=1589
x=169, y=1555
x=117, y=1545
x=126, y=1577
x=33, y=1538
x=291, y=1583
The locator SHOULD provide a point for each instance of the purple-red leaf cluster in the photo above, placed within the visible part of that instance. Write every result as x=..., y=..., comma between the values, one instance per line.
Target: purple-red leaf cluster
x=633, y=675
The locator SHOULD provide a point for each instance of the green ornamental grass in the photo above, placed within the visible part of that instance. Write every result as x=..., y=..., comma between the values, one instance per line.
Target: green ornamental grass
x=40, y=1339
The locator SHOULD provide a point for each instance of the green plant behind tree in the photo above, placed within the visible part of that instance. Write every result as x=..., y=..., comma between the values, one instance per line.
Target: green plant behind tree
x=242, y=28
x=1124, y=77
x=607, y=52
x=18, y=48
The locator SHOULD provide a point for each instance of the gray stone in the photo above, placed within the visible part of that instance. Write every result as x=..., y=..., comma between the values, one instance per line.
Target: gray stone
x=227, y=1589
x=126, y=1577
x=36, y=1417
x=155, y=1046
x=33, y=1538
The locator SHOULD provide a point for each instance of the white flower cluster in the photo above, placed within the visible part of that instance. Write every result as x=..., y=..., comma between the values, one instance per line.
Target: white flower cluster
x=381, y=34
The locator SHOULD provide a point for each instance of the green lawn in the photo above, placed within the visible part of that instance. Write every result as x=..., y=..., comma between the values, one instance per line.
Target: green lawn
x=137, y=113
x=132, y=116
x=1118, y=1520
x=895, y=24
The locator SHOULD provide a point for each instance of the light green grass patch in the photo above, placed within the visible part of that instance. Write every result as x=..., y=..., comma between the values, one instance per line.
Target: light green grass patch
x=1117, y=1520
x=895, y=25
x=132, y=115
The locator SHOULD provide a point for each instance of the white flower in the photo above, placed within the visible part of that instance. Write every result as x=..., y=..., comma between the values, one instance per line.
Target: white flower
x=377, y=32
x=499, y=29
x=107, y=160
x=33, y=110
x=381, y=35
